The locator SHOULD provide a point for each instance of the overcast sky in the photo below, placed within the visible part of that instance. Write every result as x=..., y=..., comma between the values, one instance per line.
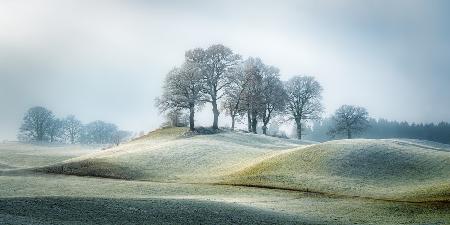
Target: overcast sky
x=107, y=59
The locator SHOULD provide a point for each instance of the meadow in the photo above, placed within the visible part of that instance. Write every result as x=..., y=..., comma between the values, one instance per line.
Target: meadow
x=172, y=176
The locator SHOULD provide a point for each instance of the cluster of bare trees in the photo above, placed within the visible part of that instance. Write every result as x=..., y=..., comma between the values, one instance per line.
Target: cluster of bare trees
x=255, y=92
x=201, y=79
x=41, y=125
x=245, y=88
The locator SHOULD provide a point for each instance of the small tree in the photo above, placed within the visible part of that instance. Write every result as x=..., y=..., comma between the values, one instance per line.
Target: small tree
x=121, y=136
x=273, y=95
x=182, y=90
x=253, y=98
x=176, y=118
x=234, y=93
x=55, y=130
x=304, y=95
x=350, y=120
x=98, y=132
x=72, y=128
x=36, y=124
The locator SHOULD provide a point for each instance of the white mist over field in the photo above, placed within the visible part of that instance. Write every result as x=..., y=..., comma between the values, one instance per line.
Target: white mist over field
x=107, y=59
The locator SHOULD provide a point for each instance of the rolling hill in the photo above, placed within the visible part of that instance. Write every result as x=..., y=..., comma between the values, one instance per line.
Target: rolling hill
x=173, y=155
x=380, y=169
x=400, y=170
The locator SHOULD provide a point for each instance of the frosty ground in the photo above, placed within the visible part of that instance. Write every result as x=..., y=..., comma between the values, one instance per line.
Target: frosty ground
x=173, y=177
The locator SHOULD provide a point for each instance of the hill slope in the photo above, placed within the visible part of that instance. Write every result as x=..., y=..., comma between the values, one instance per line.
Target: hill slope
x=402, y=170
x=169, y=155
x=381, y=169
x=16, y=155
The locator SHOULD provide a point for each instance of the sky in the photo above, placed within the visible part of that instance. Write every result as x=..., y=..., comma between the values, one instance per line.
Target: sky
x=107, y=59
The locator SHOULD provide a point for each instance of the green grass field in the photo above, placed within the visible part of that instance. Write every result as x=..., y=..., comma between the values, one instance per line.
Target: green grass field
x=168, y=177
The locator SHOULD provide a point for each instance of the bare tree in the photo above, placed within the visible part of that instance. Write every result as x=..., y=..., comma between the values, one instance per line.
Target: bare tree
x=121, y=136
x=263, y=95
x=273, y=95
x=176, y=118
x=350, y=120
x=215, y=63
x=182, y=90
x=98, y=132
x=72, y=128
x=253, y=98
x=234, y=94
x=36, y=124
x=231, y=106
x=304, y=95
x=55, y=130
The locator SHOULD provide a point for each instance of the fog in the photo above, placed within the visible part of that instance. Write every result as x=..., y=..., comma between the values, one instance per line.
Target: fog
x=107, y=59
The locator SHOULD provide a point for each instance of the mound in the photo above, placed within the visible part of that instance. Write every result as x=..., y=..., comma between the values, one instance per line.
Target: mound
x=170, y=155
x=381, y=169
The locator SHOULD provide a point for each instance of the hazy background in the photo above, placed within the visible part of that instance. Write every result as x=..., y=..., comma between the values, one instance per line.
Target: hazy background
x=107, y=59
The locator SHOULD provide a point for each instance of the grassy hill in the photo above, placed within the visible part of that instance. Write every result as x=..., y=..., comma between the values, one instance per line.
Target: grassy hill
x=187, y=167
x=381, y=169
x=173, y=155
x=401, y=170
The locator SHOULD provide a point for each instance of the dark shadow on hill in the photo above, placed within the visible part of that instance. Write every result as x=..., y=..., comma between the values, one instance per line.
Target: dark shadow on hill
x=63, y=210
x=204, y=131
x=373, y=163
x=93, y=169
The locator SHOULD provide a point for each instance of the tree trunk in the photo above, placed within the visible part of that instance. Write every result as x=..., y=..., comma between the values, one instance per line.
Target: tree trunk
x=216, y=115
x=254, y=125
x=349, y=134
x=264, y=128
x=175, y=121
x=299, y=129
x=39, y=133
x=265, y=121
x=254, y=122
x=232, y=121
x=40, y=137
x=249, y=121
x=191, y=118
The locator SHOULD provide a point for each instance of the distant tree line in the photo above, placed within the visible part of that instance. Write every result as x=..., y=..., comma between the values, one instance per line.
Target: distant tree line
x=41, y=125
x=382, y=128
x=244, y=89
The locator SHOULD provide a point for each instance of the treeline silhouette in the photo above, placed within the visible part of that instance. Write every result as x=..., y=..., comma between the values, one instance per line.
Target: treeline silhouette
x=41, y=125
x=382, y=128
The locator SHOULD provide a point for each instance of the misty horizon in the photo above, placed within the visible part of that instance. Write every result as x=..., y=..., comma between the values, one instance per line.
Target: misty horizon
x=108, y=60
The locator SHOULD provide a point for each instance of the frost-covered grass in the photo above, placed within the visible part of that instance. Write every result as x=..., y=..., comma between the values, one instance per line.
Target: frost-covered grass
x=425, y=144
x=381, y=169
x=404, y=170
x=15, y=155
x=67, y=199
x=177, y=157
